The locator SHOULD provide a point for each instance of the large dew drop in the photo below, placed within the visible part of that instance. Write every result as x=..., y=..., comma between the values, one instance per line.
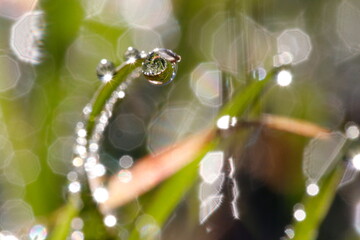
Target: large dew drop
x=105, y=70
x=157, y=70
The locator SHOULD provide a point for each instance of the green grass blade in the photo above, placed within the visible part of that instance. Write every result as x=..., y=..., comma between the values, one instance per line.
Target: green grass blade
x=62, y=228
x=319, y=205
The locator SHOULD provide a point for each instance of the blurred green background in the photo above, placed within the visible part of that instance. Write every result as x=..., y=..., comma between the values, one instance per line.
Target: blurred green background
x=49, y=50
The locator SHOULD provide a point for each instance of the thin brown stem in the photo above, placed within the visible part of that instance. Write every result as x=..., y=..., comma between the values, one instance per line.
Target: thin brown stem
x=153, y=169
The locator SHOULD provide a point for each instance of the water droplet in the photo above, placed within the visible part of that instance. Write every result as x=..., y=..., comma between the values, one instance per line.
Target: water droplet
x=154, y=65
x=38, y=232
x=131, y=54
x=157, y=70
x=105, y=70
x=299, y=213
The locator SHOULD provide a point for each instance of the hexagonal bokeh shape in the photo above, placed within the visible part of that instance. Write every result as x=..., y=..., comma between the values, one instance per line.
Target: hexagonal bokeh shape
x=228, y=50
x=348, y=17
x=127, y=132
x=296, y=42
x=13, y=9
x=15, y=214
x=59, y=155
x=206, y=83
x=23, y=169
x=9, y=72
x=6, y=151
x=211, y=166
x=26, y=35
x=80, y=60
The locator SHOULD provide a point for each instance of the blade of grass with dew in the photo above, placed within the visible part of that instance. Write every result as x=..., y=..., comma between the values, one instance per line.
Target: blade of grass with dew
x=317, y=207
x=98, y=104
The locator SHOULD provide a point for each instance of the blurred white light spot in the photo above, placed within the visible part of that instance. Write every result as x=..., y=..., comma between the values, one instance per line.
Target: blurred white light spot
x=312, y=189
x=81, y=150
x=299, y=213
x=93, y=147
x=110, y=220
x=81, y=133
x=78, y=162
x=99, y=170
x=223, y=122
x=38, y=232
x=296, y=42
x=124, y=176
x=77, y=235
x=211, y=166
x=289, y=233
x=90, y=164
x=259, y=73
x=74, y=187
x=77, y=223
x=101, y=195
x=284, y=78
x=126, y=161
x=107, y=77
x=208, y=207
x=356, y=162
x=121, y=94
x=87, y=110
x=352, y=132
x=26, y=36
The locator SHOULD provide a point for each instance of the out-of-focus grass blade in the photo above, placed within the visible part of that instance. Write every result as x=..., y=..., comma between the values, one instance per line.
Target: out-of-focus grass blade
x=318, y=206
x=63, y=222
